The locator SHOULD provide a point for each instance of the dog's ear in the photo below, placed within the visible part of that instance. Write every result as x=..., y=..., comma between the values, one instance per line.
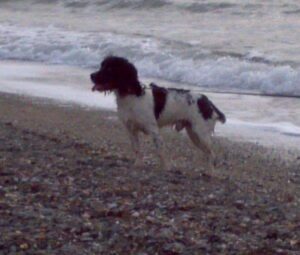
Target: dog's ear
x=133, y=79
x=134, y=83
x=129, y=84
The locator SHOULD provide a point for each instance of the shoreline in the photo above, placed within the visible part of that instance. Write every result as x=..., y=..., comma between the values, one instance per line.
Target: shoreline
x=250, y=118
x=96, y=126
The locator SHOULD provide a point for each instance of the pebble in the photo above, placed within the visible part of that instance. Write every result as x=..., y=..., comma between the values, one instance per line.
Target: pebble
x=174, y=247
x=136, y=214
x=166, y=233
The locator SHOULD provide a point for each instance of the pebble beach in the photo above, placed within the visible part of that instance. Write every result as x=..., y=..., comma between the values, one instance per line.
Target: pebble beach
x=68, y=186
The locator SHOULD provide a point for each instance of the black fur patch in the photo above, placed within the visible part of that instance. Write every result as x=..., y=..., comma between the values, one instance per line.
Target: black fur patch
x=160, y=98
x=221, y=116
x=205, y=108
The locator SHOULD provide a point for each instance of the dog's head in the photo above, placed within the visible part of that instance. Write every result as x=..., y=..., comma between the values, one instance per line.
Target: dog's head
x=117, y=74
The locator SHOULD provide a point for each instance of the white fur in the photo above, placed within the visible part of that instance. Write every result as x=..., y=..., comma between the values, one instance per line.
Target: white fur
x=137, y=114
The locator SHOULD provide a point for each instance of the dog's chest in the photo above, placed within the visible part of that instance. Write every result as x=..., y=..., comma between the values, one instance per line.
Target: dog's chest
x=137, y=110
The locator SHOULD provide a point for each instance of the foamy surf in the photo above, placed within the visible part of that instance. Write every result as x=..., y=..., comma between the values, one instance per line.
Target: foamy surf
x=154, y=58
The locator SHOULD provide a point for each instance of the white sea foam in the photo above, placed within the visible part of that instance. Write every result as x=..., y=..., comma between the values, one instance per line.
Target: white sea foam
x=152, y=58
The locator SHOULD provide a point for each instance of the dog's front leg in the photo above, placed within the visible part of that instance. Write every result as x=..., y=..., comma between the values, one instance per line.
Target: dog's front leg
x=159, y=145
x=135, y=145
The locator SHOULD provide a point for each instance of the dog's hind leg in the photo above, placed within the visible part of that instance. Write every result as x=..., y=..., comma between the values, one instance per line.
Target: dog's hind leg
x=205, y=145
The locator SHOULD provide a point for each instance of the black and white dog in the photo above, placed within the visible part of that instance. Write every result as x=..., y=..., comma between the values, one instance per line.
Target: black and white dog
x=146, y=110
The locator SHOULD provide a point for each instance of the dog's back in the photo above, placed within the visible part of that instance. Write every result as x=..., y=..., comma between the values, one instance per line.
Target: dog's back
x=174, y=105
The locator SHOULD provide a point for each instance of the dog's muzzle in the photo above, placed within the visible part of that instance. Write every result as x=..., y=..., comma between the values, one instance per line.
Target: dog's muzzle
x=96, y=86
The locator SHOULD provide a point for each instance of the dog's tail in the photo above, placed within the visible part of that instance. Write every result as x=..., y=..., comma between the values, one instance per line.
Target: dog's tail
x=220, y=115
x=209, y=110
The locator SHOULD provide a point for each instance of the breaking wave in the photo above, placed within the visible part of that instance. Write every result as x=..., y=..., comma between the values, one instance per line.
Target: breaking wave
x=188, y=5
x=186, y=64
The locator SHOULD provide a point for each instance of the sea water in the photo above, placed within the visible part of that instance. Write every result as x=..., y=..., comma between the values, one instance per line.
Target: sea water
x=229, y=45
